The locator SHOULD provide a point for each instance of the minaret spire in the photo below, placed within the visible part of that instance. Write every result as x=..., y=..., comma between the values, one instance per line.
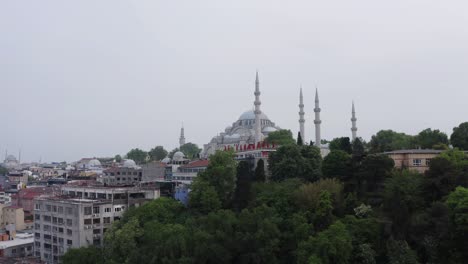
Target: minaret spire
x=257, y=103
x=353, y=122
x=317, y=120
x=182, y=136
x=301, y=116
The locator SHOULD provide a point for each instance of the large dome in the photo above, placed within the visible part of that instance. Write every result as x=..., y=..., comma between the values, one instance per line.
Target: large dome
x=250, y=115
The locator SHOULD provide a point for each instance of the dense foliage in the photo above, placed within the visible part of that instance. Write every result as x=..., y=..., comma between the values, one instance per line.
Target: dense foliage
x=281, y=137
x=349, y=208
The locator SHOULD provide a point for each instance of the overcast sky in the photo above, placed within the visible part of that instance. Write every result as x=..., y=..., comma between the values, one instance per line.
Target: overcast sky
x=97, y=78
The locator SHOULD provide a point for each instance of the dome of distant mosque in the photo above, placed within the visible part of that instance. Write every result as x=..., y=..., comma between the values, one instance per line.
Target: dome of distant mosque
x=250, y=115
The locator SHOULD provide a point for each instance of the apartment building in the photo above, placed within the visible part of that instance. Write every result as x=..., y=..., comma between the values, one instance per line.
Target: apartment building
x=80, y=216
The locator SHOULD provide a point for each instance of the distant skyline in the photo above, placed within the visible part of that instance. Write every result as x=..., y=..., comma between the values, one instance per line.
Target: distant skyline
x=98, y=78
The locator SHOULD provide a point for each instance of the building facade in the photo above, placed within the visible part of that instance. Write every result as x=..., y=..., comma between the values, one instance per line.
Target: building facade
x=413, y=159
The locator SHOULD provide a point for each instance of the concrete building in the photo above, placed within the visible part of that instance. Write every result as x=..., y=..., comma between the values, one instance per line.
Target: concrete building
x=18, y=247
x=188, y=172
x=81, y=216
x=5, y=197
x=414, y=159
x=24, y=198
x=12, y=215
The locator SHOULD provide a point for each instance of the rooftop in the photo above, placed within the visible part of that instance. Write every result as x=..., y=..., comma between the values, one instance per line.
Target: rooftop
x=415, y=151
x=196, y=164
x=19, y=240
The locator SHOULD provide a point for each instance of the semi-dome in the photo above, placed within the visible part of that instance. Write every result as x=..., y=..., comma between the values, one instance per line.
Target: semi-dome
x=94, y=163
x=250, y=115
x=166, y=160
x=178, y=156
x=128, y=163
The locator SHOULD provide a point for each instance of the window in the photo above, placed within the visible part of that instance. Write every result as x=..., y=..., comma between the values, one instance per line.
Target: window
x=37, y=235
x=428, y=162
x=37, y=206
x=46, y=218
x=60, y=230
x=60, y=210
x=96, y=210
x=69, y=210
x=46, y=227
x=69, y=242
x=37, y=244
x=60, y=220
x=54, y=220
x=54, y=208
x=60, y=240
x=97, y=231
x=96, y=221
x=69, y=232
x=37, y=226
x=48, y=208
x=107, y=210
x=37, y=217
x=416, y=162
x=106, y=220
x=69, y=222
x=87, y=210
x=117, y=209
x=87, y=221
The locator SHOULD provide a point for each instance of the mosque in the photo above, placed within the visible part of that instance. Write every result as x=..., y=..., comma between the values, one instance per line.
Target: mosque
x=253, y=127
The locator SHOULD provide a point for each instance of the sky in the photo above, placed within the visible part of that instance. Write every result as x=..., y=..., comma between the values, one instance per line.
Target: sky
x=98, y=78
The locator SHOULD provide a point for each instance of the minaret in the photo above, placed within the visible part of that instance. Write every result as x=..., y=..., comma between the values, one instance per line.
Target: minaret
x=353, y=122
x=182, y=137
x=257, y=103
x=317, y=120
x=301, y=116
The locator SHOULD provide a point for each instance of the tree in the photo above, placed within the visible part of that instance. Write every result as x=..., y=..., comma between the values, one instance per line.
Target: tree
x=337, y=164
x=402, y=198
x=84, y=255
x=221, y=175
x=342, y=143
x=203, y=197
x=293, y=161
x=190, y=150
x=300, y=142
x=358, y=150
x=281, y=137
x=137, y=155
x=157, y=153
x=259, y=175
x=400, y=253
x=307, y=196
x=388, y=140
x=330, y=246
x=459, y=137
x=118, y=158
x=370, y=178
x=243, y=183
x=429, y=138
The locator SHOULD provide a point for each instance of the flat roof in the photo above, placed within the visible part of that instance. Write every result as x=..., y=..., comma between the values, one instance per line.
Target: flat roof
x=18, y=241
x=415, y=151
